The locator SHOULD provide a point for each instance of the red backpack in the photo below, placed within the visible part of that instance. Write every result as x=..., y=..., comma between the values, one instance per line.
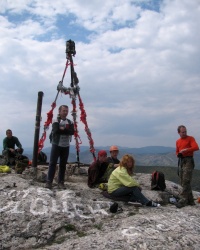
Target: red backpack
x=158, y=181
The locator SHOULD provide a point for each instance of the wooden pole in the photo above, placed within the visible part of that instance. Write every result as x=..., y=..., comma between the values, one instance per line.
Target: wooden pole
x=37, y=130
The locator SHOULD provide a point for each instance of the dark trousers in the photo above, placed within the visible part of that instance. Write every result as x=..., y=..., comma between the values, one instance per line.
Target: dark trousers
x=8, y=153
x=10, y=156
x=134, y=192
x=58, y=152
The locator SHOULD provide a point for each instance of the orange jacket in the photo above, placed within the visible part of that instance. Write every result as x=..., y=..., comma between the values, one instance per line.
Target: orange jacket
x=188, y=144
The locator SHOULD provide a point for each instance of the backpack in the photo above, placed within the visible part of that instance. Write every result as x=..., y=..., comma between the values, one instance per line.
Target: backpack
x=5, y=169
x=158, y=181
x=42, y=157
x=21, y=163
x=114, y=207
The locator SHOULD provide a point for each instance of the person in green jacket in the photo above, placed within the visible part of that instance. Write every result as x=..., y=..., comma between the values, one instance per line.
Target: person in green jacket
x=122, y=183
x=9, y=151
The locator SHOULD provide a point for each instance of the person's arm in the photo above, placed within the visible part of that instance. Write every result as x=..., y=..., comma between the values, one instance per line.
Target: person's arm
x=177, y=148
x=193, y=146
x=5, y=145
x=17, y=142
x=63, y=130
x=113, y=164
x=70, y=128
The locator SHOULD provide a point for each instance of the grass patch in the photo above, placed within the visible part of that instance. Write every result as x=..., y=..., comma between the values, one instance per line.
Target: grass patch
x=81, y=234
x=69, y=227
x=131, y=214
x=60, y=240
x=98, y=226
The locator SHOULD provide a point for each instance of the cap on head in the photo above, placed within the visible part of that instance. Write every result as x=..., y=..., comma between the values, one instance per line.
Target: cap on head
x=114, y=148
x=102, y=153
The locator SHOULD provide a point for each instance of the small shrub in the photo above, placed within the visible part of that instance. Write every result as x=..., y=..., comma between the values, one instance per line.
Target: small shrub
x=81, y=234
x=98, y=226
x=69, y=227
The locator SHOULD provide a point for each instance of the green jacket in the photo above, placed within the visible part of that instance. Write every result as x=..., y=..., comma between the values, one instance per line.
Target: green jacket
x=11, y=142
x=120, y=178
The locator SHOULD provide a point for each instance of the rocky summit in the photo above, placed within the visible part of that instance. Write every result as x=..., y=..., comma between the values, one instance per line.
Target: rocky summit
x=33, y=217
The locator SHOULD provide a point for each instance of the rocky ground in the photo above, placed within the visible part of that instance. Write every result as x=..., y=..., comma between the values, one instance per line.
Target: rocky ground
x=33, y=217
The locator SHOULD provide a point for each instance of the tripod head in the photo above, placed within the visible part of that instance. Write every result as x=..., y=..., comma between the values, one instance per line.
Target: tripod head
x=70, y=48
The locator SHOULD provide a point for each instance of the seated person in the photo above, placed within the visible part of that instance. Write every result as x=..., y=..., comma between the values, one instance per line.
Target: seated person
x=114, y=151
x=9, y=151
x=121, y=183
x=99, y=171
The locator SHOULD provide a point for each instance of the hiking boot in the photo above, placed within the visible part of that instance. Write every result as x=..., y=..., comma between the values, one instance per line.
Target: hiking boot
x=191, y=203
x=181, y=203
x=134, y=203
x=48, y=185
x=61, y=185
x=152, y=204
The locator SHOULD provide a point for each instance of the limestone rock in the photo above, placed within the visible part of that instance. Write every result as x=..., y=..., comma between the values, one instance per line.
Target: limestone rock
x=33, y=217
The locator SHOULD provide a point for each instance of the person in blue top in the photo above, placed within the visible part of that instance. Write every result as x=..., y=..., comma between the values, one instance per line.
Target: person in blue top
x=9, y=151
x=122, y=183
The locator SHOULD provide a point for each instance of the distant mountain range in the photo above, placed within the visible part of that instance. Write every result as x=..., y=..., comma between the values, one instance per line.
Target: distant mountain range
x=145, y=156
x=148, y=159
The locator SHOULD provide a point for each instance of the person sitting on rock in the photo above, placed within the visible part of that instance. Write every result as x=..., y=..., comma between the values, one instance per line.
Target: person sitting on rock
x=99, y=171
x=114, y=151
x=9, y=151
x=122, y=183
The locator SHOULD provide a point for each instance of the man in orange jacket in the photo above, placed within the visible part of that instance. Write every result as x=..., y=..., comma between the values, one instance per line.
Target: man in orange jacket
x=185, y=147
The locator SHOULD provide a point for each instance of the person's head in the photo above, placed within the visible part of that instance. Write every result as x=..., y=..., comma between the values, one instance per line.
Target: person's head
x=102, y=156
x=128, y=162
x=9, y=133
x=63, y=111
x=114, y=151
x=182, y=131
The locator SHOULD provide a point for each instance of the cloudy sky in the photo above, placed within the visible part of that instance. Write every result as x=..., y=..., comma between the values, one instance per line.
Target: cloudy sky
x=137, y=62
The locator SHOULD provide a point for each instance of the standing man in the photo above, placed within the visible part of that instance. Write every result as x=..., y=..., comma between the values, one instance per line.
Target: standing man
x=185, y=147
x=62, y=130
x=9, y=151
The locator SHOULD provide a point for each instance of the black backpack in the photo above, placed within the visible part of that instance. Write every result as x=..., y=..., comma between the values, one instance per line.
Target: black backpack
x=114, y=207
x=42, y=158
x=158, y=181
